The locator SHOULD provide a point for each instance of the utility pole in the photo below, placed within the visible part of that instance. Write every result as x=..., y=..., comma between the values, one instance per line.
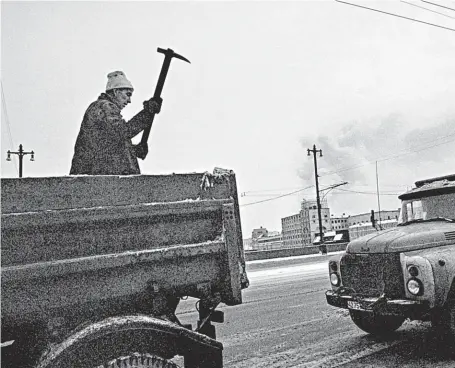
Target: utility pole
x=322, y=247
x=21, y=153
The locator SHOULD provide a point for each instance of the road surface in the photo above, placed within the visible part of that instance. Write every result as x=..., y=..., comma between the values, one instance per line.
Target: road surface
x=284, y=321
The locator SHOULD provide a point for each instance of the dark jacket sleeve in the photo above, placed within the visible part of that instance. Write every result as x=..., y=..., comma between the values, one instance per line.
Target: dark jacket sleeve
x=138, y=123
x=126, y=130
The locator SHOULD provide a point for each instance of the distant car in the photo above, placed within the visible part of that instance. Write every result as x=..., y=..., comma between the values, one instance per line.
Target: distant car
x=407, y=271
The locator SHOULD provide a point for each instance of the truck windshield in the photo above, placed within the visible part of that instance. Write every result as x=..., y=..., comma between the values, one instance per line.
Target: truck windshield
x=428, y=208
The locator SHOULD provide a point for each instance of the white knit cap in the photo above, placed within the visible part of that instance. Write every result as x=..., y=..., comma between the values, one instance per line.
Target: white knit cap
x=117, y=80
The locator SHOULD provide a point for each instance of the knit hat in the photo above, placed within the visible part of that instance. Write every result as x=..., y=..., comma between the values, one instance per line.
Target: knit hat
x=117, y=80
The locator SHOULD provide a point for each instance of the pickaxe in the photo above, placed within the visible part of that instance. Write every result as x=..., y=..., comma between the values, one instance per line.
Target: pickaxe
x=168, y=55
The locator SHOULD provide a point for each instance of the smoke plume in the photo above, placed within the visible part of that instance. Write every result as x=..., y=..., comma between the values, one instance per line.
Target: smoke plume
x=403, y=154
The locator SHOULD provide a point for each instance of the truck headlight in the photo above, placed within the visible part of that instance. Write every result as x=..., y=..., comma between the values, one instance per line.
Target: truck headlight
x=334, y=279
x=415, y=287
x=413, y=271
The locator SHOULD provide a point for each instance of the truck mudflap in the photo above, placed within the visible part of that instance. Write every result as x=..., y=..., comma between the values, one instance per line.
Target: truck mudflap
x=101, y=343
x=381, y=305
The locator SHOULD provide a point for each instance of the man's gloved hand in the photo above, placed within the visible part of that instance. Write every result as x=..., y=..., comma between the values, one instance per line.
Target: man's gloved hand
x=153, y=106
x=141, y=150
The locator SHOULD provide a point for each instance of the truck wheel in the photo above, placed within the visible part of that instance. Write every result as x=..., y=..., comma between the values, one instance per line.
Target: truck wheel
x=115, y=342
x=138, y=360
x=375, y=324
x=135, y=341
x=447, y=322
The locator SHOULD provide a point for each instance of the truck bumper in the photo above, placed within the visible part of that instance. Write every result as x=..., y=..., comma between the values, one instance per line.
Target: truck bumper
x=400, y=307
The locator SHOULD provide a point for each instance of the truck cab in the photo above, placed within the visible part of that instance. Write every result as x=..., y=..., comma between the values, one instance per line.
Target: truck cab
x=403, y=272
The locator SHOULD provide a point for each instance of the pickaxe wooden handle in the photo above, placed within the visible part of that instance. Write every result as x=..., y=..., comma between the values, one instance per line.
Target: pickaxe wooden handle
x=168, y=55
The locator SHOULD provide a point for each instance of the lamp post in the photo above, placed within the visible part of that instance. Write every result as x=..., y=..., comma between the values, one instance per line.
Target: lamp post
x=21, y=153
x=328, y=189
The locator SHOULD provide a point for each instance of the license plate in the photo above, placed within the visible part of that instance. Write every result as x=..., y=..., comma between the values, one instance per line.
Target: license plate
x=354, y=305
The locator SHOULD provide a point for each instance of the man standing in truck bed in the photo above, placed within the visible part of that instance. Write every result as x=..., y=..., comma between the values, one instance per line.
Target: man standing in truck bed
x=103, y=146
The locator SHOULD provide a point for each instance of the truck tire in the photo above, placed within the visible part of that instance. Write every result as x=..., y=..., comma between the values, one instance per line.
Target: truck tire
x=451, y=322
x=130, y=341
x=446, y=323
x=138, y=360
x=96, y=356
x=135, y=341
x=443, y=319
x=375, y=324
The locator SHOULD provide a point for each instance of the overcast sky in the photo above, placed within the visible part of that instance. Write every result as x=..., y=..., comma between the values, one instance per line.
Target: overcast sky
x=267, y=81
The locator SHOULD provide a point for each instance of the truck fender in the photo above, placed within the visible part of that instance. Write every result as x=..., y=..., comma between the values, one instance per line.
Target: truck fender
x=442, y=261
x=114, y=337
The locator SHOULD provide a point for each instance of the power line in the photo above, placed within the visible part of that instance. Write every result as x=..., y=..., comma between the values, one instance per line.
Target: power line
x=10, y=136
x=244, y=194
x=385, y=159
x=419, y=150
x=382, y=185
x=269, y=190
x=259, y=193
x=311, y=186
x=370, y=193
x=441, y=6
x=396, y=15
x=422, y=7
x=407, y=152
x=346, y=169
x=385, y=192
x=272, y=199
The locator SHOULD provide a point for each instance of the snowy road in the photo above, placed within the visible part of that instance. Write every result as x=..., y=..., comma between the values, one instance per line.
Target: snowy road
x=284, y=321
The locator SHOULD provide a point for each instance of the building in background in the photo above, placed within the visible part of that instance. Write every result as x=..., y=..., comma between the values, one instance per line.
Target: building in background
x=292, y=231
x=262, y=239
x=339, y=223
x=296, y=229
x=302, y=229
x=262, y=231
x=312, y=208
x=339, y=232
x=360, y=225
x=273, y=241
x=366, y=217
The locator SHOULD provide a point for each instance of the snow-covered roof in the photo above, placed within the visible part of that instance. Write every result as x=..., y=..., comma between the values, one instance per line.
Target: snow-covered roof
x=426, y=189
x=338, y=237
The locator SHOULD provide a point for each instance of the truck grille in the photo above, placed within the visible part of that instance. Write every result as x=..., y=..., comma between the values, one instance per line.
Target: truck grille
x=373, y=274
x=450, y=235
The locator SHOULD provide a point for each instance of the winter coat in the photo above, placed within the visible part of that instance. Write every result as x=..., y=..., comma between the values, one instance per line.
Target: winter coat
x=103, y=146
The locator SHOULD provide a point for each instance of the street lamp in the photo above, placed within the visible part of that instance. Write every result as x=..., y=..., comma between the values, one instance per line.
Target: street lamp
x=330, y=188
x=21, y=153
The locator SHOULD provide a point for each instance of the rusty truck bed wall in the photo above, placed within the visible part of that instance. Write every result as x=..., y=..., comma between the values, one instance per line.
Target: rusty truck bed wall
x=89, y=240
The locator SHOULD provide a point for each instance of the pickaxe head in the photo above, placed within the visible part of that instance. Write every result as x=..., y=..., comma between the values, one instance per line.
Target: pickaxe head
x=170, y=54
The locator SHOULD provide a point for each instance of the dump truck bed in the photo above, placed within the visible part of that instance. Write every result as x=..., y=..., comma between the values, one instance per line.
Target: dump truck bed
x=104, y=245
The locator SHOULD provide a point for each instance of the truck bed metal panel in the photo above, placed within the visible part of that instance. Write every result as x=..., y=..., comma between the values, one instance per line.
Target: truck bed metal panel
x=104, y=245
